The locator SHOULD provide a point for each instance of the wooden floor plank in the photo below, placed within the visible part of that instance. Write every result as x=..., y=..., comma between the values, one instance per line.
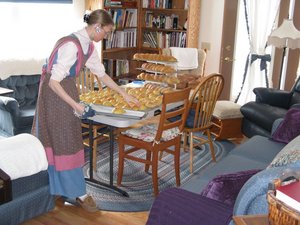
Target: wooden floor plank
x=72, y=215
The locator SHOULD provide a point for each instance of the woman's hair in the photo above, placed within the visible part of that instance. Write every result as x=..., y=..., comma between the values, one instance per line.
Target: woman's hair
x=98, y=16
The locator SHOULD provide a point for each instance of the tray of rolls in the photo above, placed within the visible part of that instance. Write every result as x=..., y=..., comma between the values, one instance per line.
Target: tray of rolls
x=118, y=112
x=112, y=103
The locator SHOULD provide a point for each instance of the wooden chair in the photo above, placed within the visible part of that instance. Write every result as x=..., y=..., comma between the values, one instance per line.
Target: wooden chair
x=160, y=138
x=85, y=83
x=201, y=107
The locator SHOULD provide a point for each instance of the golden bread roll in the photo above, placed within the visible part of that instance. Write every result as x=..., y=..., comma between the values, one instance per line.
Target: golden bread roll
x=107, y=103
x=118, y=111
x=144, y=65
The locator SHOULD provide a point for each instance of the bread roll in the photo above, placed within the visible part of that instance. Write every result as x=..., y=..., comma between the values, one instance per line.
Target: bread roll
x=118, y=111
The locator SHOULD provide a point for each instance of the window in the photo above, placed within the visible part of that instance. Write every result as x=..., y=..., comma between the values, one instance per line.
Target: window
x=30, y=30
x=39, y=1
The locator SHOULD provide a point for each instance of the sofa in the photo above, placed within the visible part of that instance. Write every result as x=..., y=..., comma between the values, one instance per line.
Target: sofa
x=27, y=193
x=236, y=185
x=17, y=109
x=269, y=105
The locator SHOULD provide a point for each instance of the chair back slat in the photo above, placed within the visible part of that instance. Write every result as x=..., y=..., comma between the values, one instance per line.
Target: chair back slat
x=85, y=82
x=182, y=97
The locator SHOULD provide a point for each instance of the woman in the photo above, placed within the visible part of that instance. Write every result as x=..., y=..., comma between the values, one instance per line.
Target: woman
x=55, y=123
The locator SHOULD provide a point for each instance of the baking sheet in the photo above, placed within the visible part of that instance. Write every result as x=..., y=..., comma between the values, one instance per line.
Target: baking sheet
x=107, y=111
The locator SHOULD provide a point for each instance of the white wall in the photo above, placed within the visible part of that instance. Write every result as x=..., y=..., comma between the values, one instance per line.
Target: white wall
x=211, y=19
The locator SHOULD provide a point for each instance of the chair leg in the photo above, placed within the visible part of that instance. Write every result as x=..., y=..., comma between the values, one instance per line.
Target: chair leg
x=161, y=154
x=177, y=163
x=148, y=158
x=185, y=136
x=154, y=172
x=211, y=146
x=121, y=162
x=191, y=151
x=95, y=149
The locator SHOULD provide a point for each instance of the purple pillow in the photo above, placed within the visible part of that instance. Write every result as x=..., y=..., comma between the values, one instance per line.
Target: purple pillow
x=226, y=187
x=289, y=128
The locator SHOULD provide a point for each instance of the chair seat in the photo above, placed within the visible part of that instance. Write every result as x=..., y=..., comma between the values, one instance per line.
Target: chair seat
x=147, y=133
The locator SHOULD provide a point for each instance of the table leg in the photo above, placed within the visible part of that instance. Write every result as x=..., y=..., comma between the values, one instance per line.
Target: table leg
x=91, y=179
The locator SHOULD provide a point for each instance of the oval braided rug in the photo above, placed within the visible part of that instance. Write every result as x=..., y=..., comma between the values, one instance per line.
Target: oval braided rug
x=138, y=184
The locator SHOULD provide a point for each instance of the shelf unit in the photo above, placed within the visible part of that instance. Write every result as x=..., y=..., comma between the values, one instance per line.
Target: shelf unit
x=178, y=9
x=162, y=26
x=118, y=50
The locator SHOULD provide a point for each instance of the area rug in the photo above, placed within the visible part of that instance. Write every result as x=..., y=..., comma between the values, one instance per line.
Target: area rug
x=138, y=184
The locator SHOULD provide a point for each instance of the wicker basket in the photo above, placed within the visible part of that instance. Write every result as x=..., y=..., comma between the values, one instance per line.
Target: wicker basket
x=279, y=212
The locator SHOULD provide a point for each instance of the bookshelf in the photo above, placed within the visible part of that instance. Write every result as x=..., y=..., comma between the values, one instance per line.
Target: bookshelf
x=163, y=24
x=121, y=45
x=145, y=26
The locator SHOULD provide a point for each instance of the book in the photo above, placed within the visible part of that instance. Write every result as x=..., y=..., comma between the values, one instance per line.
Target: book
x=290, y=194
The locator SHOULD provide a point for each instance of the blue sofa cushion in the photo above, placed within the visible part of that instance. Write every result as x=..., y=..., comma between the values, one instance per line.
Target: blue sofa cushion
x=255, y=153
x=225, y=187
x=289, y=128
x=259, y=148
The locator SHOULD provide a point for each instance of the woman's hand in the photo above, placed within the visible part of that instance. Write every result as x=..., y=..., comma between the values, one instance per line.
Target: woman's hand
x=78, y=109
x=132, y=101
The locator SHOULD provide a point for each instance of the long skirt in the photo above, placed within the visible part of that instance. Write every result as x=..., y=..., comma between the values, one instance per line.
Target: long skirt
x=60, y=133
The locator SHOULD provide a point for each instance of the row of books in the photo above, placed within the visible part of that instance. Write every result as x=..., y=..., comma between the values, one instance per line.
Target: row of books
x=118, y=3
x=124, y=17
x=165, y=40
x=121, y=39
x=163, y=4
x=161, y=21
x=116, y=67
x=112, y=3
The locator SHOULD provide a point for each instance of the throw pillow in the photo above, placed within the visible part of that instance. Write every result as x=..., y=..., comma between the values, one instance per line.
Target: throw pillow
x=225, y=188
x=289, y=154
x=289, y=128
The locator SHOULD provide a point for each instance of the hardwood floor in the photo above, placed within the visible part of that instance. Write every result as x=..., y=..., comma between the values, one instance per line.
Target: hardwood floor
x=73, y=215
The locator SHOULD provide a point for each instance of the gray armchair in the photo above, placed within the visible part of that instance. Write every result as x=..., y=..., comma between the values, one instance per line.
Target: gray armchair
x=17, y=109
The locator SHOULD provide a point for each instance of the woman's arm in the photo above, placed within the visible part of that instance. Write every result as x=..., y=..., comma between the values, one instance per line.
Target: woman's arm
x=111, y=84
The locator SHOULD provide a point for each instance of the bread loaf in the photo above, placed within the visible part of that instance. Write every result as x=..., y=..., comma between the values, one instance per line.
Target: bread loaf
x=154, y=57
x=158, y=68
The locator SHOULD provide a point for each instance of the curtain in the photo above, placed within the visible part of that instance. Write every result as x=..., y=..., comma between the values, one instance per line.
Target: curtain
x=30, y=30
x=260, y=16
